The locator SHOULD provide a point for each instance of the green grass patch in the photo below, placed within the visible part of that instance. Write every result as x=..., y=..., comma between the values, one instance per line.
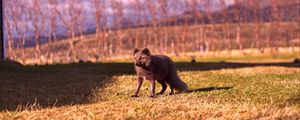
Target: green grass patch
x=247, y=58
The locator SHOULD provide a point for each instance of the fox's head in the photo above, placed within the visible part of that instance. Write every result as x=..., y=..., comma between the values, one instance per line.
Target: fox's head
x=142, y=58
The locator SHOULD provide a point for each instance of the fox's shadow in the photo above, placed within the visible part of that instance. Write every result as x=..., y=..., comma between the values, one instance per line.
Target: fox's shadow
x=207, y=89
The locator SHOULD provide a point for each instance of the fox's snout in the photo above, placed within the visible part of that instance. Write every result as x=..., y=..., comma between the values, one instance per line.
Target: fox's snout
x=140, y=64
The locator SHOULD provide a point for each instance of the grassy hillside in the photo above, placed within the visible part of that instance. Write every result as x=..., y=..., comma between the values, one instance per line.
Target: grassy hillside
x=224, y=90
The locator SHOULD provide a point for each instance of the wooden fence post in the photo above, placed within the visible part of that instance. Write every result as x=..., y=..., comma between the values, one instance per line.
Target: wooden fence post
x=1, y=32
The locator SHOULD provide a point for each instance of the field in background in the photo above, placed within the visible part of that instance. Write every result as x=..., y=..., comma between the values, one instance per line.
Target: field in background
x=110, y=30
x=268, y=89
x=200, y=41
x=282, y=55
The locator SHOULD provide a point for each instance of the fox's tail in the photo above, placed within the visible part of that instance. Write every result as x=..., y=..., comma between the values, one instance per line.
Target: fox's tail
x=180, y=86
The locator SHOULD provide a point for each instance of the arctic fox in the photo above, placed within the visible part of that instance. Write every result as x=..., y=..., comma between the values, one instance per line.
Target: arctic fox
x=158, y=68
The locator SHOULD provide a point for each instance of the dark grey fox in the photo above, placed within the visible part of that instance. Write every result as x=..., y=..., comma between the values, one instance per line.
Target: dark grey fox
x=158, y=68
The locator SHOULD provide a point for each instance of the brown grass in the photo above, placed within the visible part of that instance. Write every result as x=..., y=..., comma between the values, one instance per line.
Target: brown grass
x=178, y=107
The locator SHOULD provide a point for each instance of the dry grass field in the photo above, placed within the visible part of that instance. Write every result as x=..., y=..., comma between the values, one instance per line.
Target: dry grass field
x=223, y=90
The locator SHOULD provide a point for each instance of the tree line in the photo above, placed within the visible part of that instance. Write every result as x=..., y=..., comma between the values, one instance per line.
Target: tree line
x=116, y=27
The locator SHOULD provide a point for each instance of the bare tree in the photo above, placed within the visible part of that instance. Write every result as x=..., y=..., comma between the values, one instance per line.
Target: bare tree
x=163, y=5
x=256, y=42
x=70, y=18
x=38, y=25
x=140, y=12
x=152, y=9
x=21, y=27
x=238, y=26
x=181, y=40
x=52, y=24
x=209, y=42
x=118, y=14
x=52, y=20
x=99, y=9
x=9, y=31
x=194, y=7
x=274, y=22
x=226, y=29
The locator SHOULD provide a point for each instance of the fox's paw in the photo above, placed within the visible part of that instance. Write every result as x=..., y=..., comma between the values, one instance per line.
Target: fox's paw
x=171, y=93
x=152, y=96
x=134, y=96
x=159, y=93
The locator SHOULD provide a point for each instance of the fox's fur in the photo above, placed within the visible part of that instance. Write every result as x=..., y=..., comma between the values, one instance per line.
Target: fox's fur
x=158, y=68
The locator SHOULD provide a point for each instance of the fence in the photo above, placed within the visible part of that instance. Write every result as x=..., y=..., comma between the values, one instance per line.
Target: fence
x=74, y=30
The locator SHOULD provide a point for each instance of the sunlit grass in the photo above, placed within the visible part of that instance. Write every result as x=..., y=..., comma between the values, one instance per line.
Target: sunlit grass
x=102, y=91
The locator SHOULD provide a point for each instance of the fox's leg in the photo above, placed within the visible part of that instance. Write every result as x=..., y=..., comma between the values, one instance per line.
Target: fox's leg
x=172, y=90
x=171, y=87
x=138, y=86
x=152, y=86
x=164, y=87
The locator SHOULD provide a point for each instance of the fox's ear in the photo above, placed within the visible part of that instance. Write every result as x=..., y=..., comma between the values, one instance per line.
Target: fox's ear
x=146, y=51
x=135, y=50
